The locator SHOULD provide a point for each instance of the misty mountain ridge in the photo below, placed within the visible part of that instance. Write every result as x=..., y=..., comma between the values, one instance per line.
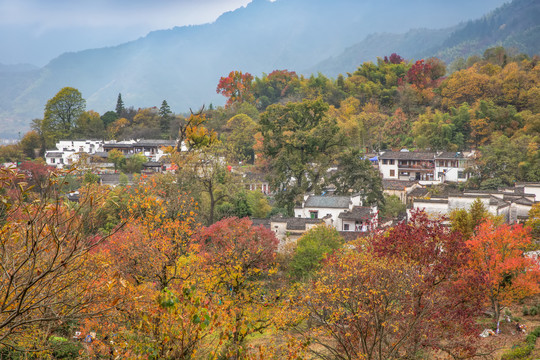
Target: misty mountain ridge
x=183, y=65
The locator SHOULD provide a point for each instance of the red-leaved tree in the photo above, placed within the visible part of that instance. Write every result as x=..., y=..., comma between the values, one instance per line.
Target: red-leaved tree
x=443, y=307
x=237, y=87
x=498, y=263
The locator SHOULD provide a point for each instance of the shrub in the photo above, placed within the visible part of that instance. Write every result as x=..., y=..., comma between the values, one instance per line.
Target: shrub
x=518, y=352
x=533, y=311
x=536, y=331
x=525, y=311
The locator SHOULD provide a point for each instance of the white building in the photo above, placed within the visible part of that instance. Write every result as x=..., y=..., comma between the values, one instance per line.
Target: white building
x=68, y=152
x=424, y=166
x=450, y=166
x=345, y=213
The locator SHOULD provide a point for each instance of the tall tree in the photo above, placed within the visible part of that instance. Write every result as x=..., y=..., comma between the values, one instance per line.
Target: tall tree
x=120, y=109
x=165, y=115
x=300, y=142
x=61, y=113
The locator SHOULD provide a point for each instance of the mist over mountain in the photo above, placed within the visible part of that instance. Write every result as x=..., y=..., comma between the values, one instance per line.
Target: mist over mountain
x=183, y=65
x=514, y=25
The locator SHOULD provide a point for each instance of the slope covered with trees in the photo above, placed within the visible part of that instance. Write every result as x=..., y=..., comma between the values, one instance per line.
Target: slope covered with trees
x=184, y=64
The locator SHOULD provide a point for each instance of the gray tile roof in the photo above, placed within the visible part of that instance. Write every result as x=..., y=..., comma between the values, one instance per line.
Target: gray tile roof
x=411, y=155
x=418, y=192
x=450, y=155
x=357, y=213
x=155, y=142
x=396, y=184
x=338, y=202
x=54, y=154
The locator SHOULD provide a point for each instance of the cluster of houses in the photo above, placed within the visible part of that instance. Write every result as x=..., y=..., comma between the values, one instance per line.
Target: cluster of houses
x=405, y=174
x=94, y=153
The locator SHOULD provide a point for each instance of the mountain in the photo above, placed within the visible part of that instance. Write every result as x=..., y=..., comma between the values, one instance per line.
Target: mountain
x=183, y=65
x=514, y=25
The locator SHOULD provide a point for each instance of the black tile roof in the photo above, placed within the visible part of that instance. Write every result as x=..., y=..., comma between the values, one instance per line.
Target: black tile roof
x=411, y=155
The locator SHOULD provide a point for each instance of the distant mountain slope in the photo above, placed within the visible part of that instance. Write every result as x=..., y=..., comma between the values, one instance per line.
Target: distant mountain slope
x=183, y=65
x=414, y=44
x=514, y=25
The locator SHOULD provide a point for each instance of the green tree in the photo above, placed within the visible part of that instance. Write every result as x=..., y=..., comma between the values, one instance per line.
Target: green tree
x=30, y=142
x=165, y=115
x=120, y=109
x=356, y=175
x=61, y=113
x=89, y=125
x=242, y=136
x=392, y=206
x=117, y=158
x=311, y=248
x=108, y=118
x=134, y=163
x=299, y=142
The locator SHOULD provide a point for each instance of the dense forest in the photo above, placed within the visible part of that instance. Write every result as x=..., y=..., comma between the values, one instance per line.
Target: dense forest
x=170, y=266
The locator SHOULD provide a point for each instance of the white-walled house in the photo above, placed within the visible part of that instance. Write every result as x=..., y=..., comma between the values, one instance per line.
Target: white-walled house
x=443, y=206
x=530, y=188
x=407, y=165
x=318, y=207
x=68, y=152
x=450, y=166
x=424, y=166
x=345, y=213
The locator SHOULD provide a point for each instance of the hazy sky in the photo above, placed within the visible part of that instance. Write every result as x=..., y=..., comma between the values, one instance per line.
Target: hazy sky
x=35, y=31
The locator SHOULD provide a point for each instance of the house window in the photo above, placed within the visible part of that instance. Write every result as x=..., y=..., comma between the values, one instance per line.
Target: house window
x=345, y=227
x=385, y=162
x=314, y=214
x=392, y=172
x=391, y=161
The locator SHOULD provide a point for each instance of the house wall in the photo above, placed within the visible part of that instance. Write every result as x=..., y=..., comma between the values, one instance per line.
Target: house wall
x=386, y=169
x=430, y=207
x=451, y=174
x=533, y=189
x=322, y=212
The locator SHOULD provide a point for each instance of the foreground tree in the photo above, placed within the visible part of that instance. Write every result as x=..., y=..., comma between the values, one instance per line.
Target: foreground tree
x=497, y=260
x=444, y=308
x=239, y=257
x=47, y=277
x=360, y=308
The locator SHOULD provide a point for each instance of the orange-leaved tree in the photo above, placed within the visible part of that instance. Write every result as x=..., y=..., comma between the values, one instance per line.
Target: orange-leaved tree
x=239, y=260
x=237, y=87
x=359, y=306
x=47, y=276
x=165, y=312
x=496, y=259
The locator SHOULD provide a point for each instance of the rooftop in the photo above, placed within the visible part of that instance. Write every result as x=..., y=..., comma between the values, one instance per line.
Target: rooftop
x=338, y=202
x=357, y=213
x=407, y=155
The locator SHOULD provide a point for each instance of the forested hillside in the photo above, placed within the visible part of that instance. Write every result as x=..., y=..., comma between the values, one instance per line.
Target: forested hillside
x=184, y=64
